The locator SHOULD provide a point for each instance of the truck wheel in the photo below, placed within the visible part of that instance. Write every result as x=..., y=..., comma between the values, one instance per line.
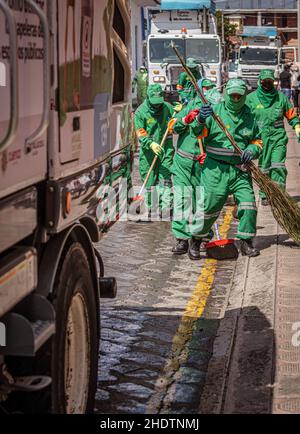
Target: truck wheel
x=75, y=344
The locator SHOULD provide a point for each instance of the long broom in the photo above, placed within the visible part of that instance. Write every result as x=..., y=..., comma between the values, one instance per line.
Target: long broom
x=285, y=210
x=139, y=197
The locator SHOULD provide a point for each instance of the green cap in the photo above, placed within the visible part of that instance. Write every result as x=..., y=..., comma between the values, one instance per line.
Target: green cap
x=236, y=85
x=208, y=83
x=267, y=74
x=191, y=63
x=155, y=94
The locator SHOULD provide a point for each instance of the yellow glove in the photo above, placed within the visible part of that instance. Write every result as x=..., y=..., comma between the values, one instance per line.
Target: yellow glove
x=157, y=149
x=178, y=107
x=297, y=130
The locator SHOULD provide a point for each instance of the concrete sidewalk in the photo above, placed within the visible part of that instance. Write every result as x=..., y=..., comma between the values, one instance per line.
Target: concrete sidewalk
x=255, y=367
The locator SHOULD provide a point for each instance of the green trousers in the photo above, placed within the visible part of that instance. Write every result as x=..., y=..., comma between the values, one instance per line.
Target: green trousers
x=187, y=196
x=273, y=161
x=159, y=192
x=219, y=180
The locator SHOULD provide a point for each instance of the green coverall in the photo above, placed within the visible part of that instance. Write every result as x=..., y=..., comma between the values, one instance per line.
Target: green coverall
x=270, y=109
x=221, y=173
x=185, y=87
x=141, y=81
x=187, y=171
x=151, y=124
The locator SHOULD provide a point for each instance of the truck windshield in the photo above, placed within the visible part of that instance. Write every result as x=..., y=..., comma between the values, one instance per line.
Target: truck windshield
x=203, y=50
x=258, y=56
x=161, y=52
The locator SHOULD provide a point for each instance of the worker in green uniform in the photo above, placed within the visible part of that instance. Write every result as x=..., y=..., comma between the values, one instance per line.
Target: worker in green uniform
x=224, y=172
x=141, y=82
x=185, y=87
x=151, y=122
x=187, y=173
x=270, y=108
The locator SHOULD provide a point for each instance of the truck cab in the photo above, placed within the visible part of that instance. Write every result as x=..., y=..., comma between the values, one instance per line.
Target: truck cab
x=260, y=49
x=194, y=33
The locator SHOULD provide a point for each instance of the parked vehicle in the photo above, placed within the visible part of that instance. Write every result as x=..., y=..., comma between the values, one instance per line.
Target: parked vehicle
x=65, y=132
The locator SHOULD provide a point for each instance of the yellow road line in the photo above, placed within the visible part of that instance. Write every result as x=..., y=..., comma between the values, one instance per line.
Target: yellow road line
x=193, y=311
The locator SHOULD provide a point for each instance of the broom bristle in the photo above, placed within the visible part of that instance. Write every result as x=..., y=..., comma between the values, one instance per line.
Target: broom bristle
x=285, y=210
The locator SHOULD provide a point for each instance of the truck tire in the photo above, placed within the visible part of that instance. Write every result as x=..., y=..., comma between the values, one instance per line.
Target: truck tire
x=75, y=345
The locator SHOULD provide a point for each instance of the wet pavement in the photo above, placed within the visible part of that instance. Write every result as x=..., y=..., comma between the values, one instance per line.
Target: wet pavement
x=201, y=337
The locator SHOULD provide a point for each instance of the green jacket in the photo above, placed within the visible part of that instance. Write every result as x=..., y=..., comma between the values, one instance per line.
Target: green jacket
x=185, y=87
x=150, y=127
x=141, y=81
x=270, y=117
x=243, y=128
x=187, y=141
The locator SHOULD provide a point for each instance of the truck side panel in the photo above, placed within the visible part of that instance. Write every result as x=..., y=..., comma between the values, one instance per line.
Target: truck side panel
x=19, y=168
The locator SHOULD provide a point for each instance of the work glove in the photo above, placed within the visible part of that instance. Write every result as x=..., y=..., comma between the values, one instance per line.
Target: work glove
x=205, y=112
x=157, y=149
x=178, y=107
x=201, y=159
x=297, y=131
x=189, y=119
x=247, y=156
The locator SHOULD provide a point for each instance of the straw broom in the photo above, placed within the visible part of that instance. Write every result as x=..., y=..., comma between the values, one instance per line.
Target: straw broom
x=285, y=210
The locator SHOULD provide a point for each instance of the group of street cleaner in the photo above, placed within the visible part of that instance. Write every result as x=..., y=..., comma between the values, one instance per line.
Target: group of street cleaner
x=256, y=122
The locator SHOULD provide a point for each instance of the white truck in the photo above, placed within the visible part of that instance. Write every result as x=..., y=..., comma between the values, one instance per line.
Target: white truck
x=260, y=49
x=192, y=26
x=65, y=132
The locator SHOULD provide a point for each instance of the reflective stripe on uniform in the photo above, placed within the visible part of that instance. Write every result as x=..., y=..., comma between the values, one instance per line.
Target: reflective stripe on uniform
x=278, y=166
x=290, y=114
x=246, y=234
x=248, y=206
x=184, y=154
x=221, y=151
x=142, y=133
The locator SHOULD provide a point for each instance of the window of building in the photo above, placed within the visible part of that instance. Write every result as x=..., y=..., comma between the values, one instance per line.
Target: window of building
x=118, y=24
x=119, y=80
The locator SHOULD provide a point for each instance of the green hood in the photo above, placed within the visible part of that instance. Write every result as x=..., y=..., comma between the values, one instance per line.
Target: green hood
x=266, y=97
x=235, y=86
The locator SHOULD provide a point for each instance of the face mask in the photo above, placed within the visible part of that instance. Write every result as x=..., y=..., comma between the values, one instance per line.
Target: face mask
x=267, y=85
x=234, y=106
x=156, y=107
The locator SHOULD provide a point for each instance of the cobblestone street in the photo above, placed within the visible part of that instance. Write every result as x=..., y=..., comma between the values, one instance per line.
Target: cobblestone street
x=201, y=337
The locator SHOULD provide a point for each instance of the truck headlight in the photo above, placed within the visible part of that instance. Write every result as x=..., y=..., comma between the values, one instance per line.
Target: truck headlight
x=159, y=79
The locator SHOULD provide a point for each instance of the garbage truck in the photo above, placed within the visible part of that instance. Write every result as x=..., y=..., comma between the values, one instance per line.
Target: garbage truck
x=260, y=49
x=192, y=27
x=65, y=143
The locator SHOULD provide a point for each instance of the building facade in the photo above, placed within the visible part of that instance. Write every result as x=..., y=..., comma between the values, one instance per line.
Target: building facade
x=279, y=13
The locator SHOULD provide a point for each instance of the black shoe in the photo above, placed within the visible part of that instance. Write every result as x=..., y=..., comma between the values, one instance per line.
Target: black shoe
x=247, y=249
x=265, y=202
x=194, y=250
x=181, y=248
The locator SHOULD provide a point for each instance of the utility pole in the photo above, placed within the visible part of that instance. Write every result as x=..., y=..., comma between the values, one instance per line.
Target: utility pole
x=298, y=30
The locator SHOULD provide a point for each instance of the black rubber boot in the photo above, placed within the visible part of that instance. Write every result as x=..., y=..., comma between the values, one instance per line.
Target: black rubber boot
x=247, y=249
x=181, y=248
x=194, y=250
x=265, y=202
